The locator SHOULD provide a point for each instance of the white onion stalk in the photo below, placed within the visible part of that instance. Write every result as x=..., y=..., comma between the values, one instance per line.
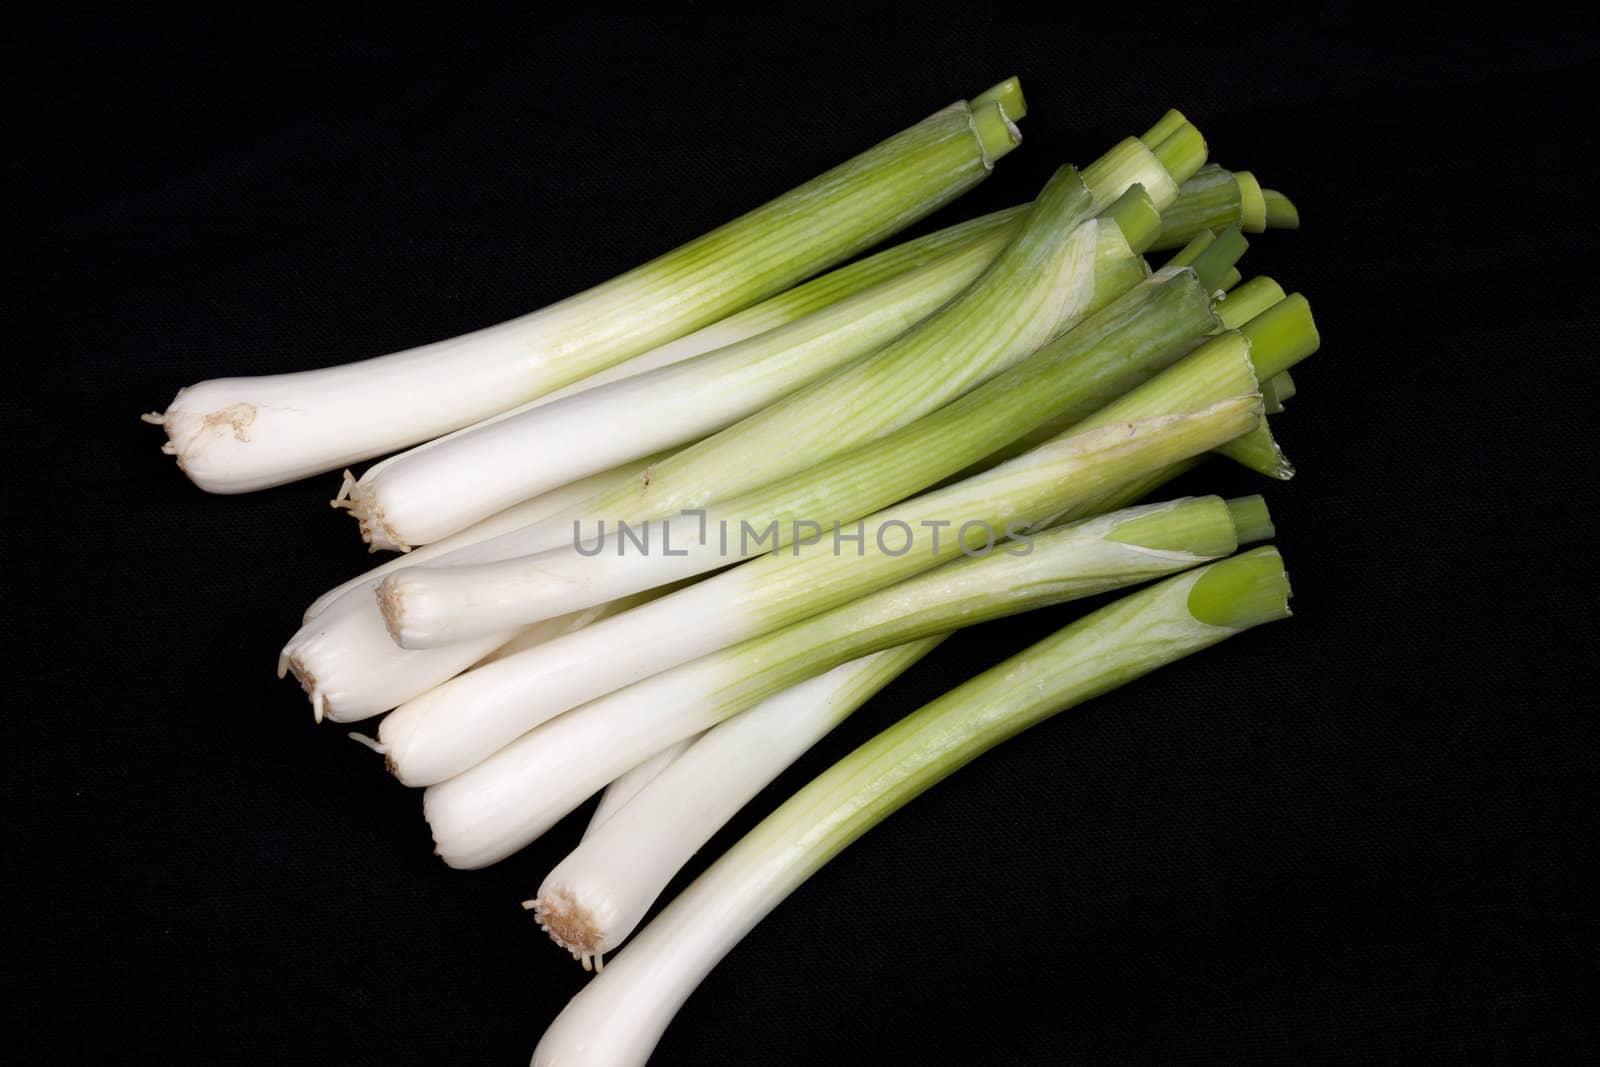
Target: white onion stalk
x=627, y=785
x=233, y=435
x=479, y=712
x=596, y=896
x=704, y=783
x=434, y=490
x=1107, y=354
x=617, y=1019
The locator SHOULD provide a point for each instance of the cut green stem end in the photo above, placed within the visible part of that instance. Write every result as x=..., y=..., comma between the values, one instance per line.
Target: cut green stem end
x=1218, y=257
x=1136, y=215
x=1169, y=124
x=1251, y=521
x=1008, y=94
x=1249, y=300
x=1281, y=336
x=1242, y=591
x=1252, y=205
x=997, y=134
x=1231, y=279
x=1182, y=152
x=1281, y=212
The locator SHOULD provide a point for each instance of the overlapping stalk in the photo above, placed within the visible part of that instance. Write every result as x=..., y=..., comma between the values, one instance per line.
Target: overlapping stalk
x=618, y=1017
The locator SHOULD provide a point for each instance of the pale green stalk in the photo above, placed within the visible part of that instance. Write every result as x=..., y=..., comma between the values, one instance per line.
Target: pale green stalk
x=237, y=434
x=617, y=1019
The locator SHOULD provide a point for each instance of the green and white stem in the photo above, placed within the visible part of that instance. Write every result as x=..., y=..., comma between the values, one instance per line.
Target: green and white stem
x=433, y=491
x=1110, y=351
x=596, y=896
x=232, y=435
x=617, y=1018
x=625, y=860
x=472, y=717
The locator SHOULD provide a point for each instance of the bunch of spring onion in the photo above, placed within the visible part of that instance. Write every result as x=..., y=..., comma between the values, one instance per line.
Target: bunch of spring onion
x=659, y=538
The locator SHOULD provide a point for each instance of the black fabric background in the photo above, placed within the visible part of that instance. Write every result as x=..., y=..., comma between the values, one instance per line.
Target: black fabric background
x=1366, y=833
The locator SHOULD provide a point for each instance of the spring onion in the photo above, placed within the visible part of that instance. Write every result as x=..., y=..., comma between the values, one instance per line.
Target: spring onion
x=596, y=896
x=617, y=1019
x=233, y=435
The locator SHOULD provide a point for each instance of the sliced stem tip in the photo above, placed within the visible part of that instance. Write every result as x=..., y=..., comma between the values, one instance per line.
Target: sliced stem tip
x=1281, y=336
x=1251, y=521
x=1281, y=212
x=1136, y=215
x=1242, y=591
x=1008, y=94
x=1218, y=257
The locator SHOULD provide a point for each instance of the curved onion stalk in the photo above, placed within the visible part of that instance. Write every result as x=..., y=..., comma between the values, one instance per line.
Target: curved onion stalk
x=470, y=823
x=627, y=785
x=699, y=789
x=596, y=896
x=616, y=1020
x=431, y=492
x=1216, y=198
x=1110, y=352
x=233, y=435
